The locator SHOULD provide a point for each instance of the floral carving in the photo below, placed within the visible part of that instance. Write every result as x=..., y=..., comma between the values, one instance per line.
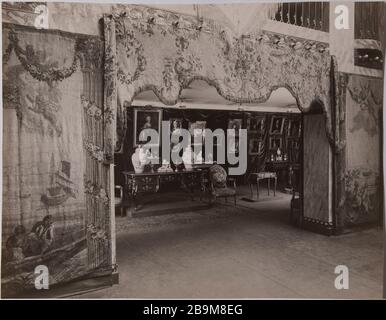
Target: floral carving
x=91, y=109
x=96, y=233
x=96, y=191
x=243, y=69
x=133, y=48
x=362, y=195
x=94, y=151
x=32, y=61
x=90, y=52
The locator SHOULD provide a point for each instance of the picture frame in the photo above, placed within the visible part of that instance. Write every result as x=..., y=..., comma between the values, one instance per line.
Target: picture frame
x=277, y=125
x=197, y=125
x=256, y=124
x=255, y=146
x=175, y=124
x=275, y=143
x=294, y=128
x=293, y=147
x=146, y=118
x=201, y=125
x=233, y=146
x=235, y=124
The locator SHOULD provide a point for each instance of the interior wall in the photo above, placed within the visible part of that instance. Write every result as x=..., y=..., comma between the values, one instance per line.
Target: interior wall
x=316, y=169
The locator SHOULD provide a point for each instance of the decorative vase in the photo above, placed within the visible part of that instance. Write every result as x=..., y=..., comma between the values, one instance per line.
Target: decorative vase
x=138, y=161
x=187, y=158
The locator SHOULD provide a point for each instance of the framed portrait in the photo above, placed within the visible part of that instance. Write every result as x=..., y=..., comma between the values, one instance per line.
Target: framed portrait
x=255, y=146
x=256, y=124
x=275, y=143
x=294, y=128
x=233, y=146
x=146, y=119
x=235, y=124
x=196, y=127
x=175, y=124
x=277, y=124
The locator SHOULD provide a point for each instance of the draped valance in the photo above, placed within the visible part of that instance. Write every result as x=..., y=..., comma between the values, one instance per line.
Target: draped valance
x=149, y=49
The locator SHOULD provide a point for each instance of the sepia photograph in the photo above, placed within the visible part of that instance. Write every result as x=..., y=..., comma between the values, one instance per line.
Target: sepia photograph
x=290, y=208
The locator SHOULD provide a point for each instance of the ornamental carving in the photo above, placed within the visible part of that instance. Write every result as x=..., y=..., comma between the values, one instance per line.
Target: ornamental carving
x=150, y=49
x=87, y=52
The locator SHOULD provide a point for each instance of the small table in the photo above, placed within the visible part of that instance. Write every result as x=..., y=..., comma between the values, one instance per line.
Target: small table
x=261, y=176
x=137, y=184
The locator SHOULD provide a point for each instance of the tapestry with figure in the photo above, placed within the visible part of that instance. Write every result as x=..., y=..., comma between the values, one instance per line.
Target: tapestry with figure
x=44, y=220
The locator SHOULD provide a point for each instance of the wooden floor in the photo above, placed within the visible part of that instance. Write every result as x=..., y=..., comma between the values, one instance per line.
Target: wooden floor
x=247, y=251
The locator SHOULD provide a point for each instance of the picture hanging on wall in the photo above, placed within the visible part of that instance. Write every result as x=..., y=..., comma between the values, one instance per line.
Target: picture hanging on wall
x=197, y=128
x=256, y=124
x=277, y=124
x=146, y=119
x=275, y=143
x=175, y=124
x=255, y=146
x=197, y=131
x=294, y=128
x=235, y=124
x=294, y=150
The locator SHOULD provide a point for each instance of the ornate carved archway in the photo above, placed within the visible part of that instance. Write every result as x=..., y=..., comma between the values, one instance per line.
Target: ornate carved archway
x=149, y=49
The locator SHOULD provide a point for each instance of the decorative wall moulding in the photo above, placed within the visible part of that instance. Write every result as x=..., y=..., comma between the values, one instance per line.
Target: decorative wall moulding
x=243, y=69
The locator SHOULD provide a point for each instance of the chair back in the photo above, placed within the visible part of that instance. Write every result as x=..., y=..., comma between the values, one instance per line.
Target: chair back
x=218, y=176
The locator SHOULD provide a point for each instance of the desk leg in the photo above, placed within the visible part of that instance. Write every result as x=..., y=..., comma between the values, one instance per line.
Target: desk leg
x=269, y=185
x=130, y=208
x=257, y=189
x=274, y=190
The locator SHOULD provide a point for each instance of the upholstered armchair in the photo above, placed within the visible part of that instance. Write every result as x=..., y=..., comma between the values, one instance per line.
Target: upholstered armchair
x=219, y=183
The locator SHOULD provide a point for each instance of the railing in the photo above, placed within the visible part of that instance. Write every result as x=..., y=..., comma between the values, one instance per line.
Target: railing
x=312, y=15
x=368, y=20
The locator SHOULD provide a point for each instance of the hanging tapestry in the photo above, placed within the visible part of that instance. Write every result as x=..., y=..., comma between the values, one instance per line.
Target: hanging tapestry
x=243, y=69
x=363, y=198
x=46, y=177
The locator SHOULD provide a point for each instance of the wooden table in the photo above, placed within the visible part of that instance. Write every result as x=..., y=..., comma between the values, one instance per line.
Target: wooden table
x=150, y=182
x=261, y=176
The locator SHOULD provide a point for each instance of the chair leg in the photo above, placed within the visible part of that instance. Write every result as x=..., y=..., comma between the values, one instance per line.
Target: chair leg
x=235, y=199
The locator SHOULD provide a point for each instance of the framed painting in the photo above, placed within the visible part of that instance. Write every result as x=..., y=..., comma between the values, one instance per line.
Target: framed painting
x=235, y=124
x=294, y=128
x=255, y=146
x=197, y=128
x=256, y=124
x=175, y=124
x=275, y=143
x=277, y=124
x=146, y=119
